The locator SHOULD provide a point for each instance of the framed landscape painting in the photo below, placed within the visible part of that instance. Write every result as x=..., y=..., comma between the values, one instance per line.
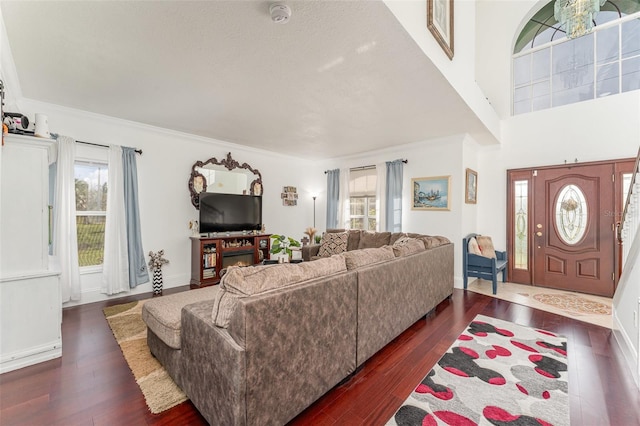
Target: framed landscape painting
x=431, y=193
x=471, y=187
x=440, y=23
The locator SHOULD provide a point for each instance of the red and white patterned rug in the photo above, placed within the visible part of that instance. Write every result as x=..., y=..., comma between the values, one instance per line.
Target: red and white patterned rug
x=496, y=373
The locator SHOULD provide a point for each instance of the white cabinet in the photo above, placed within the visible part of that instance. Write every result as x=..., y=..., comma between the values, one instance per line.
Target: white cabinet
x=30, y=320
x=30, y=297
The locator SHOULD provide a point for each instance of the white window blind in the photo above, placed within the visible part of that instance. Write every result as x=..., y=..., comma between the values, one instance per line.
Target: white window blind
x=363, y=182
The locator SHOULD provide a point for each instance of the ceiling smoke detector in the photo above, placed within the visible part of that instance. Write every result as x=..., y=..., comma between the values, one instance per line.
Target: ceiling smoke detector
x=280, y=13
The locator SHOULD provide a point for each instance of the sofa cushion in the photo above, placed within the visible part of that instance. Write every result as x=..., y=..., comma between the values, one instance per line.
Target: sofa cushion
x=406, y=246
x=163, y=314
x=486, y=246
x=354, y=239
x=240, y=282
x=429, y=240
x=395, y=237
x=259, y=279
x=333, y=243
x=442, y=240
x=370, y=239
x=357, y=258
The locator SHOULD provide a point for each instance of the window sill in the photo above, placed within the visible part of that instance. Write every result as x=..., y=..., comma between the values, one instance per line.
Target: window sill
x=87, y=270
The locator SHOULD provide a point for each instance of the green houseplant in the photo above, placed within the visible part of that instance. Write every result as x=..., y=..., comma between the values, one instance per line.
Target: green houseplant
x=282, y=244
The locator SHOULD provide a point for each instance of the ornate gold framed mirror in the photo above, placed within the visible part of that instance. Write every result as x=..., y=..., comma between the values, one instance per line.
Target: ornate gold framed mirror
x=226, y=176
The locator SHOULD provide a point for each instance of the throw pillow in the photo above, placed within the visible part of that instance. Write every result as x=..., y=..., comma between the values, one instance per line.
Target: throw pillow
x=370, y=239
x=473, y=246
x=486, y=246
x=333, y=243
x=352, y=241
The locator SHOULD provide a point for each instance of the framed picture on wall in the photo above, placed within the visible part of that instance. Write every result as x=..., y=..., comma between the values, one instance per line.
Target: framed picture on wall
x=471, y=187
x=440, y=23
x=431, y=193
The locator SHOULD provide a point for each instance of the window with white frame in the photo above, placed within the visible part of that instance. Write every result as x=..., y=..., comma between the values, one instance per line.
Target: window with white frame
x=550, y=70
x=91, y=210
x=362, y=198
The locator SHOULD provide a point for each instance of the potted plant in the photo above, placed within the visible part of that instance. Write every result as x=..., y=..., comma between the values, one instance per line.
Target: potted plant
x=282, y=245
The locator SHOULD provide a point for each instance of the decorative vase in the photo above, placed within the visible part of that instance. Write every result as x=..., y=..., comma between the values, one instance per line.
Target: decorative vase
x=157, y=281
x=283, y=257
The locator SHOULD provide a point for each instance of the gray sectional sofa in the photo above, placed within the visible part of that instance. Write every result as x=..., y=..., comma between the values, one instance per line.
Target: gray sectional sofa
x=270, y=340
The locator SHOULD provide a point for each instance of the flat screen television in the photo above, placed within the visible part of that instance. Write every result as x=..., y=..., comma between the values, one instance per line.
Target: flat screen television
x=230, y=212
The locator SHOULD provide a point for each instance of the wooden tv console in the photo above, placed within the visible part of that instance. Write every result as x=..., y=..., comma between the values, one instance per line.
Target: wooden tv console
x=209, y=255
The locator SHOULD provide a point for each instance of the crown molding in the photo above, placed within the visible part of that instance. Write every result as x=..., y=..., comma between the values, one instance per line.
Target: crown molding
x=32, y=105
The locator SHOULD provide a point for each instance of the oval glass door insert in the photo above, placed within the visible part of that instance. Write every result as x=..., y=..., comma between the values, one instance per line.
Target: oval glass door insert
x=571, y=214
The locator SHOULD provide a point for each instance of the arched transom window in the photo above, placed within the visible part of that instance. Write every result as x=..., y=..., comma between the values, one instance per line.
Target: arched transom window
x=550, y=69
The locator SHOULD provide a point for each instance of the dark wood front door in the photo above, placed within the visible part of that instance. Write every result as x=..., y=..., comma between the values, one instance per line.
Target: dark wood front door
x=574, y=229
x=561, y=225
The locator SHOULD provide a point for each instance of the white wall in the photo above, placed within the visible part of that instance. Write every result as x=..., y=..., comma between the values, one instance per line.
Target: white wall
x=8, y=71
x=412, y=15
x=469, y=222
x=498, y=24
x=440, y=157
x=163, y=173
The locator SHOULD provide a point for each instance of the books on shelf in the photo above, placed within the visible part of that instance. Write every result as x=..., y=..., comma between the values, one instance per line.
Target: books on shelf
x=209, y=260
x=209, y=273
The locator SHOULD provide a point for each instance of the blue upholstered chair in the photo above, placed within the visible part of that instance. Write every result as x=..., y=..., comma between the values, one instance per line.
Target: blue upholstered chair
x=474, y=265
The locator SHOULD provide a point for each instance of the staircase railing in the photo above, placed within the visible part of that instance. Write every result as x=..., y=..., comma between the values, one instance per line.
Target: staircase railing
x=630, y=220
x=626, y=302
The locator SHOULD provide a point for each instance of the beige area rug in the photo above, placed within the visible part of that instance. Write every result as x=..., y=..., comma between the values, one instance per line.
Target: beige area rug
x=159, y=390
x=583, y=307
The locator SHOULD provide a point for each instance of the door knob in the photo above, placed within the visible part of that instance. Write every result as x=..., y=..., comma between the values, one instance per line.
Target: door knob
x=539, y=234
x=539, y=226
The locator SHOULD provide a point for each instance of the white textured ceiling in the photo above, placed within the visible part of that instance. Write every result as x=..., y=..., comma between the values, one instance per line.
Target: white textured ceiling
x=342, y=77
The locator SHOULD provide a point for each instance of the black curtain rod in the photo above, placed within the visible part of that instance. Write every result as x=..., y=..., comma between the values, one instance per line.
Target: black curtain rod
x=371, y=166
x=139, y=151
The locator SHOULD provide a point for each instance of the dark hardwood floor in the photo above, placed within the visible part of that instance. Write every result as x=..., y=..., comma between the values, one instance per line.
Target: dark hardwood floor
x=92, y=385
